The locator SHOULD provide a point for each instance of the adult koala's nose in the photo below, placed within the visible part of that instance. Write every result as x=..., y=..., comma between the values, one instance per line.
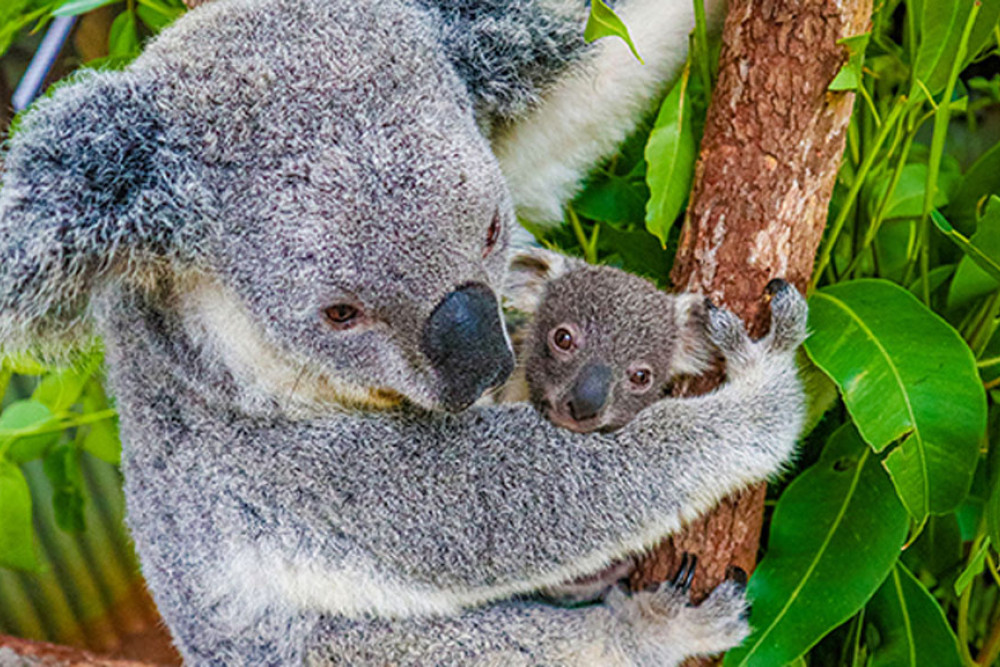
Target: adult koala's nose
x=465, y=341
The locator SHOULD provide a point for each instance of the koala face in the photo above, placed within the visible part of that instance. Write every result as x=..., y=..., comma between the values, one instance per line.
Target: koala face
x=606, y=344
x=364, y=222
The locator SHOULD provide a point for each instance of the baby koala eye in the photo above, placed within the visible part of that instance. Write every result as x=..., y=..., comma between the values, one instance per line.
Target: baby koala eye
x=564, y=338
x=492, y=234
x=640, y=378
x=342, y=316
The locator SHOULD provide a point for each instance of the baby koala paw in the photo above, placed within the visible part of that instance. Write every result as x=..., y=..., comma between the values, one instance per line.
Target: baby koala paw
x=788, y=329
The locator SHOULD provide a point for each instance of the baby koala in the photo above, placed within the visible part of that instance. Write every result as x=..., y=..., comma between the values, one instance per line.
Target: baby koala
x=595, y=346
x=603, y=344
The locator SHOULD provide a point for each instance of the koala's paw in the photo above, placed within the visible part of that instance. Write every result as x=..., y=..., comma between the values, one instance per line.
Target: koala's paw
x=788, y=329
x=668, y=628
x=789, y=314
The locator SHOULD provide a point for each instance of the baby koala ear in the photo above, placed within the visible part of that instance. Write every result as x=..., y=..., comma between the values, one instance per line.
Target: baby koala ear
x=692, y=351
x=530, y=269
x=94, y=188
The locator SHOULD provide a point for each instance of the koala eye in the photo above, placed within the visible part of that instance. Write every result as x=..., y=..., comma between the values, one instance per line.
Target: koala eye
x=492, y=234
x=565, y=338
x=342, y=315
x=640, y=378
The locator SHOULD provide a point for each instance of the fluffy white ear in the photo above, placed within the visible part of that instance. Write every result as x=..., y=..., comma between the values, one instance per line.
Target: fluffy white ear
x=693, y=353
x=530, y=270
x=593, y=105
x=93, y=187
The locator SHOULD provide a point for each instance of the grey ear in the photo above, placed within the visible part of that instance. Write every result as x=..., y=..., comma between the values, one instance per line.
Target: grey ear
x=94, y=187
x=693, y=352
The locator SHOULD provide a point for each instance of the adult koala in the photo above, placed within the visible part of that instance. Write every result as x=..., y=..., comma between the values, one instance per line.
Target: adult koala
x=288, y=220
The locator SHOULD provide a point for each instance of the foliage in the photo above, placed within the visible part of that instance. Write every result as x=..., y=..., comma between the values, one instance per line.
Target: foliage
x=882, y=544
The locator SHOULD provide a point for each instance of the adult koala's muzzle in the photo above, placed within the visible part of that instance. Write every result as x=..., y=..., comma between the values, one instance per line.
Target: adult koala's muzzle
x=465, y=341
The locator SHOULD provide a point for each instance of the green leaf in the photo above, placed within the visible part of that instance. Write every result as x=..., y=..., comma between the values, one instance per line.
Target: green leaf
x=982, y=178
x=976, y=254
x=62, y=467
x=157, y=15
x=907, y=199
x=972, y=279
x=941, y=26
x=613, y=199
x=835, y=535
x=18, y=422
x=873, y=339
x=102, y=439
x=74, y=7
x=24, y=364
x=670, y=156
x=17, y=548
x=939, y=547
x=60, y=389
x=912, y=628
x=603, y=22
x=849, y=76
x=123, y=39
x=974, y=569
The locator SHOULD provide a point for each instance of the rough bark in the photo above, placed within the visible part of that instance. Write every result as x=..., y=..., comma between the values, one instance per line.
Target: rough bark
x=772, y=146
x=16, y=652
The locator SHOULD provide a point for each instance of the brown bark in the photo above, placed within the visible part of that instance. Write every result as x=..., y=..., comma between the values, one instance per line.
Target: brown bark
x=772, y=146
x=14, y=651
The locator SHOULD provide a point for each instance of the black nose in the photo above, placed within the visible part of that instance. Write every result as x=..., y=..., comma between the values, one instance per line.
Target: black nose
x=589, y=392
x=465, y=342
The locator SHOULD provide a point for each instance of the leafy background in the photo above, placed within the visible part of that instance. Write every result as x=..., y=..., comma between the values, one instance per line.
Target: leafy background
x=881, y=545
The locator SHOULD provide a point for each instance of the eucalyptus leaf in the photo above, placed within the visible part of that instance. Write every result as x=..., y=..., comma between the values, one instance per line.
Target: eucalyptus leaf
x=988, y=263
x=75, y=7
x=60, y=389
x=872, y=338
x=835, y=535
x=19, y=423
x=670, y=157
x=849, y=76
x=17, y=547
x=123, y=38
x=982, y=178
x=975, y=568
x=912, y=628
x=972, y=280
x=941, y=25
x=603, y=22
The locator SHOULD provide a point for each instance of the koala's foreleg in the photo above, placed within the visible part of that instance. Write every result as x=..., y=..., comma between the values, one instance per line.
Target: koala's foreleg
x=655, y=628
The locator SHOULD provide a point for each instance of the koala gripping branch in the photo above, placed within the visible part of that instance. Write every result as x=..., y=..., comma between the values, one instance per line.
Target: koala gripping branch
x=772, y=146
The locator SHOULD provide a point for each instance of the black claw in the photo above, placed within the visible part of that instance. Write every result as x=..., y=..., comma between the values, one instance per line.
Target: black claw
x=685, y=574
x=775, y=285
x=709, y=306
x=736, y=574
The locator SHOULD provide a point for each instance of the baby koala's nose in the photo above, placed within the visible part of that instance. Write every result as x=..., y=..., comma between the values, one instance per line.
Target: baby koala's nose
x=590, y=391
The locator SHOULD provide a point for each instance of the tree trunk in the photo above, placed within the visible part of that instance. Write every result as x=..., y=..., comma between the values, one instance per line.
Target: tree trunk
x=772, y=146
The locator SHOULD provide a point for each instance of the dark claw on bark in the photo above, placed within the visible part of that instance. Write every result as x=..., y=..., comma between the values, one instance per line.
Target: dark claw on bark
x=685, y=574
x=775, y=286
x=736, y=574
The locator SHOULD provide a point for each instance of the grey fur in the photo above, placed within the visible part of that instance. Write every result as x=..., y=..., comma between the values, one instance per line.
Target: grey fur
x=287, y=483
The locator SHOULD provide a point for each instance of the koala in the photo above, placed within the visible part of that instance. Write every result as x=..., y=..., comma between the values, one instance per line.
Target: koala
x=601, y=345
x=289, y=222
x=605, y=344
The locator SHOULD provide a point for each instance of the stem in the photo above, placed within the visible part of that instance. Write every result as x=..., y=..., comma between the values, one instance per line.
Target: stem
x=581, y=237
x=852, y=194
x=942, y=117
x=883, y=206
x=14, y=435
x=701, y=42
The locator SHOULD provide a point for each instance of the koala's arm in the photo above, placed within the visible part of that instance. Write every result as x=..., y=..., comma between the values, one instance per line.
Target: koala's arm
x=648, y=628
x=451, y=511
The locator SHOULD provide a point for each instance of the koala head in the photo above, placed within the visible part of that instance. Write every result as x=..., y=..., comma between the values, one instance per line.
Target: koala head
x=605, y=344
x=334, y=198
